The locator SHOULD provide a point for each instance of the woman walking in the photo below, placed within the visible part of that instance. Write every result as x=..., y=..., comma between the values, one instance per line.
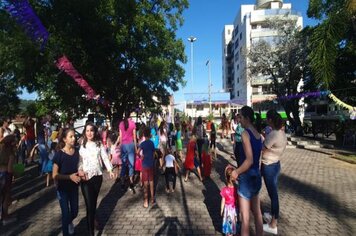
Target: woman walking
x=248, y=173
x=92, y=156
x=274, y=146
x=128, y=149
x=65, y=174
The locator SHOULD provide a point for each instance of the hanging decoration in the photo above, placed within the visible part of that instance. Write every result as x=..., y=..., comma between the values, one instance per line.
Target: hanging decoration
x=24, y=15
x=65, y=65
x=341, y=103
x=307, y=94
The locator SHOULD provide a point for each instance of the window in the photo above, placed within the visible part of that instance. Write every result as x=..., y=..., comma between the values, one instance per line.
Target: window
x=228, y=32
x=240, y=35
x=238, y=93
x=237, y=67
x=254, y=26
x=238, y=80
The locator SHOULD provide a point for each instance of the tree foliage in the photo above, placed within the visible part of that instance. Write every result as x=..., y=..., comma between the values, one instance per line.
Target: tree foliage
x=127, y=51
x=282, y=61
x=333, y=40
x=9, y=101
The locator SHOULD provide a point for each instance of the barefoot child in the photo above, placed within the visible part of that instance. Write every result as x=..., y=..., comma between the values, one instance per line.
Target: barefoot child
x=206, y=160
x=229, y=210
x=49, y=165
x=148, y=150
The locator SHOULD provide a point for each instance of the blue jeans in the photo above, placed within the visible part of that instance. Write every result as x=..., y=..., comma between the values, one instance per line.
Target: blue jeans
x=43, y=157
x=250, y=184
x=68, y=201
x=270, y=175
x=128, y=158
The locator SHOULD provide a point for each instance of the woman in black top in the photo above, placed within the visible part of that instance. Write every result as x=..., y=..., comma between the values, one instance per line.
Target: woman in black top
x=65, y=174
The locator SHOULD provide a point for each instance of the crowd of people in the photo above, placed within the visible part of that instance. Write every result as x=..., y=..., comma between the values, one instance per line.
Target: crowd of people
x=136, y=153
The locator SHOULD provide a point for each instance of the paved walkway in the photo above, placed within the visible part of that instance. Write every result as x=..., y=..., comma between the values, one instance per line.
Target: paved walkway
x=317, y=197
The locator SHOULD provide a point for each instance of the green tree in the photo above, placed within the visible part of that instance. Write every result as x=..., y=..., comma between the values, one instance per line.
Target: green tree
x=126, y=50
x=333, y=41
x=281, y=61
x=9, y=101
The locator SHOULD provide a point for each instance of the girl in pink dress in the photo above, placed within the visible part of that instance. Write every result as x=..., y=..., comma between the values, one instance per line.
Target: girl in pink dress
x=229, y=211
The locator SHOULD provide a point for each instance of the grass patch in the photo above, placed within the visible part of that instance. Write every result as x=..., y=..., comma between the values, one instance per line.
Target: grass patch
x=347, y=158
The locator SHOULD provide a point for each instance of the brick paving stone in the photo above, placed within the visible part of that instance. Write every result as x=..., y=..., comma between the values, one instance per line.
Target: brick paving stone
x=317, y=197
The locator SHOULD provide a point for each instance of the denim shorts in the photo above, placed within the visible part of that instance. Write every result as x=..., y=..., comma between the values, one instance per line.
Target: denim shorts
x=250, y=184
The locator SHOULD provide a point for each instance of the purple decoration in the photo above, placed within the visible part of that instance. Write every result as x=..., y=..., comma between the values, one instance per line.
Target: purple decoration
x=22, y=12
x=308, y=94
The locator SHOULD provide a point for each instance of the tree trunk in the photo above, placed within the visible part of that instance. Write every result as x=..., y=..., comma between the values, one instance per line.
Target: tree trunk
x=292, y=107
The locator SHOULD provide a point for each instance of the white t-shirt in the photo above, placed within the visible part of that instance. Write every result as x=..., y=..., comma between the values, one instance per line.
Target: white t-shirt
x=275, y=142
x=169, y=160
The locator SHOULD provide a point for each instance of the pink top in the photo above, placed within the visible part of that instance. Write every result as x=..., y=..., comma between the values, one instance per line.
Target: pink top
x=127, y=135
x=230, y=195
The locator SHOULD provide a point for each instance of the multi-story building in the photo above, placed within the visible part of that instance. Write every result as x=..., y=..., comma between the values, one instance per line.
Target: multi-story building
x=249, y=27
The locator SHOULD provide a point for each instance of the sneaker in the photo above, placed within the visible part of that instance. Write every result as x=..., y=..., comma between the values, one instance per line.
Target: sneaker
x=267, y=217
x=71, y=228
x=268, y=229
x=8, y=221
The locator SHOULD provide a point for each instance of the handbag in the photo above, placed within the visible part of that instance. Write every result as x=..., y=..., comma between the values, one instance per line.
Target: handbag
x=138, y=163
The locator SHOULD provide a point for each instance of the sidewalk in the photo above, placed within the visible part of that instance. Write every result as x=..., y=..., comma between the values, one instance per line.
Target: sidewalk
x=317, y=197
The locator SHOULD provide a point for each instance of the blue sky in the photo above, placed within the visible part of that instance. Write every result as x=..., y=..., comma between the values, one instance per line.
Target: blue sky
x=205, y=20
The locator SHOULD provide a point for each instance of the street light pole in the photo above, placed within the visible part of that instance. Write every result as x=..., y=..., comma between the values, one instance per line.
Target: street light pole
x=209, y=87
x=191, y=39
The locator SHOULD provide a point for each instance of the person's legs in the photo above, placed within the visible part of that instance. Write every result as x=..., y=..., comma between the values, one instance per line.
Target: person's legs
x=88, y=194
x=74, y=204
x=152, y=191
x=63, y=202
x=131, y=162
x=245, y=215
x=167, y=176
x=270, y=176
x=7, y=195
x=200, y=143
x=199, y=173
x=145, y=196
x=186, y=175
x=43, y=157
x=256, y=210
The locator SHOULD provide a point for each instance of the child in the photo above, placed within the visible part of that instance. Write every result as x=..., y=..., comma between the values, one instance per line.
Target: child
x=228, y=205
x=171, y=170
x=114, y=150
x=179, y=144
x=206, y=159
x=148, y=150
x=191, y=162
x=49, y=165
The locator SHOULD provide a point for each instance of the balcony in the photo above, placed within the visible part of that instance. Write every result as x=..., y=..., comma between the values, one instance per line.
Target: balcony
x=260, y=81
x=263, y=15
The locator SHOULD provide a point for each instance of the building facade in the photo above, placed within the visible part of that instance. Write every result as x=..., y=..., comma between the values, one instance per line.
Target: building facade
x=249, y=27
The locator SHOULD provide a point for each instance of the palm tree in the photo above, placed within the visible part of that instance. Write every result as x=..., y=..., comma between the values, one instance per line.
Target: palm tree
x=335, y=33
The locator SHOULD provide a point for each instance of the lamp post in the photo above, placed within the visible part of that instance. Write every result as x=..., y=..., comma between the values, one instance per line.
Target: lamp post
x=209, y=87
x=191, y=39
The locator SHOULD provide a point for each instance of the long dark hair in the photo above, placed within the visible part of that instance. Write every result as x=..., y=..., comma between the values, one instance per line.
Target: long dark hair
x=126, y=120
x=161, y=127
x=96, y=137
x=199, y=121
x=61, y=135
x=248, y=113
x=276, y=118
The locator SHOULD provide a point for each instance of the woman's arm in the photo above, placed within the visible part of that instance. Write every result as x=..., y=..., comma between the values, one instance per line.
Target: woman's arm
x=56, y=176
x=134, y=138
x=222, y=206
x=249, y=156
x=105, y=158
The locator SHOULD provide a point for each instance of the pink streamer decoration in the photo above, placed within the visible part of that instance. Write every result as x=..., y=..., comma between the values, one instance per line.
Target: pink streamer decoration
x=65, y=65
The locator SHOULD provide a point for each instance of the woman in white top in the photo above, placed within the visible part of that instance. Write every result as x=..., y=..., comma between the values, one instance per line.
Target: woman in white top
x=92, y=156
x=163, y=138
x=274, y=146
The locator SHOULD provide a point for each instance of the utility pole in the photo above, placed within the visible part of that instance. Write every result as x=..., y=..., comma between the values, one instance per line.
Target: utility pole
x=192, y=39
x=209, y=87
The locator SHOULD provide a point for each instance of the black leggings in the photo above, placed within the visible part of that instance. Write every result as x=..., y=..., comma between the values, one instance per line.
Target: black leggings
x=200, y=143
x=170, y=175
x=90, y=190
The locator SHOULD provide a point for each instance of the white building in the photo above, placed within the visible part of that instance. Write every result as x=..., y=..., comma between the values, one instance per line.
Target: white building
x=250, y=26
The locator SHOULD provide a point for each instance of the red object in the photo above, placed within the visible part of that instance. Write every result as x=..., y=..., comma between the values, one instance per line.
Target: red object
x=138, y=163
x=189, y=159
x=206, y=159
x=147, y=174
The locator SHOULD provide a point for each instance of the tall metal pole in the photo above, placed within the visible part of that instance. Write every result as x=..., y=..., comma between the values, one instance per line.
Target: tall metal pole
x=191, y=39
x=209, y=87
